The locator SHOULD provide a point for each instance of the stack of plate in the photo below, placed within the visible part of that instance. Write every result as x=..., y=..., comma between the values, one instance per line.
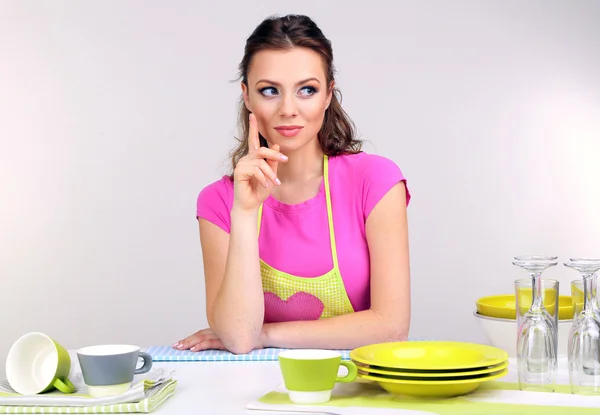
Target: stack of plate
x=434, y=369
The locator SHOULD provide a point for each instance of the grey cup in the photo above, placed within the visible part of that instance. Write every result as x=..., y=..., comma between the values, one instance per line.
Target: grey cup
x=111, y=364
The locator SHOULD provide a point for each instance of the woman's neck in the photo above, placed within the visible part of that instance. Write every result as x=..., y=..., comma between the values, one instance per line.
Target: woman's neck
x=300, y=176
x=305, y=164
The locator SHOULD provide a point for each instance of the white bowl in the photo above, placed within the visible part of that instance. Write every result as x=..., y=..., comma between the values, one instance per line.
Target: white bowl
x=502, y=333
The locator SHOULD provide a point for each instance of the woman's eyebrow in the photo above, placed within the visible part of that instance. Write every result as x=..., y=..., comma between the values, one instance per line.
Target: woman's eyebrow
x=267, y=81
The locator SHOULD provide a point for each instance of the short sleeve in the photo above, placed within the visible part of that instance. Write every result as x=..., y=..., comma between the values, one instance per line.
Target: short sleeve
x=376, y=175
x=214, y=203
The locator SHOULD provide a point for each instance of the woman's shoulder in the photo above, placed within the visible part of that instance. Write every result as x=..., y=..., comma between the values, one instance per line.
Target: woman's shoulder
x=215, y=201
x=363, y=165
x=221, y=187
x=371, y=175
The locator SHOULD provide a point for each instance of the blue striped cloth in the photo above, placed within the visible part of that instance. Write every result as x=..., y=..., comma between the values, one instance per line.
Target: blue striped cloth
x=168, y=354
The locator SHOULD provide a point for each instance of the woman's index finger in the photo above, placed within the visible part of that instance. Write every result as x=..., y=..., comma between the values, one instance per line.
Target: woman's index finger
x=253, y=140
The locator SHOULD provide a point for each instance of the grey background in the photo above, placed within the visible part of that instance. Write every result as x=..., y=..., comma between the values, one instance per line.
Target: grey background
x=114, y=114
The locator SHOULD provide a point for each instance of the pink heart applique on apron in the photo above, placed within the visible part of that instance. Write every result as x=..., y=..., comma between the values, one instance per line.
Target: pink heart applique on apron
x=298, y=307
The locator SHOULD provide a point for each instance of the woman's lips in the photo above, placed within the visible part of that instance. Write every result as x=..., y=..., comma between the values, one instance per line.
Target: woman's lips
x=289, y=130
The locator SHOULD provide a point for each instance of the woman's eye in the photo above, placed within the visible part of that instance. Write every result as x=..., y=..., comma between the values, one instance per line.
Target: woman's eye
x=308, y=91
x=272, y=91
x=268, y=91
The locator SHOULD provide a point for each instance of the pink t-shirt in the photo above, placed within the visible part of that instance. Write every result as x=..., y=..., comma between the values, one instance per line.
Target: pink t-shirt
x=295, y=238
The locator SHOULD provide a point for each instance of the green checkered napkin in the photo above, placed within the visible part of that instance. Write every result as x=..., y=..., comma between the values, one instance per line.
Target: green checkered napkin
x=143, y=397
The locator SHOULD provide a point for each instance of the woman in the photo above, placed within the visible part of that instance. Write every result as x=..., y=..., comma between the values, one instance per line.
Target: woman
x=305, y=245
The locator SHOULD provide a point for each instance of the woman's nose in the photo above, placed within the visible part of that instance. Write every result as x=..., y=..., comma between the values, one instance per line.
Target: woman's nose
x=288, y=107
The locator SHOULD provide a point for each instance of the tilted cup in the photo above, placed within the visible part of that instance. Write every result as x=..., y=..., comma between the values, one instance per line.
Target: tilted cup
x=37, y=364
x=108, y=370
x=310, y=374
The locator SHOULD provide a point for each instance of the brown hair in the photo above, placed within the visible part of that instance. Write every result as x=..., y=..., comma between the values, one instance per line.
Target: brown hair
x=337, y=134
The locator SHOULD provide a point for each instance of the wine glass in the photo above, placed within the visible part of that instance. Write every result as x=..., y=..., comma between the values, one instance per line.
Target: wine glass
x=537, y=329
x=584, y=337
x=577, y=297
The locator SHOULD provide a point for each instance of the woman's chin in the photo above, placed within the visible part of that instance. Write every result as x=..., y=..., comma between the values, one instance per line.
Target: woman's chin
x=293, y=144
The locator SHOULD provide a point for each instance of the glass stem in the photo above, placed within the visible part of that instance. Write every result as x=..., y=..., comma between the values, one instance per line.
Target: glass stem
x=594, y=290
x=536, y=291
x=589, y=292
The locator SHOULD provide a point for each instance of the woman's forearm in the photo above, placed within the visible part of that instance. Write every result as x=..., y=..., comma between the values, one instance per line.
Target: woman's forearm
x=238, y=310
x=347, y=331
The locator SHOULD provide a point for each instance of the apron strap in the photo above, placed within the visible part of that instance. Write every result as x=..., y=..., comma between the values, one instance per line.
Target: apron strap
x=330, y=212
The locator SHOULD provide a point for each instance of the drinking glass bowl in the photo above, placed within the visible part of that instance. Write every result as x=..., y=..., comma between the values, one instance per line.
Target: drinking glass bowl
x=502, y=333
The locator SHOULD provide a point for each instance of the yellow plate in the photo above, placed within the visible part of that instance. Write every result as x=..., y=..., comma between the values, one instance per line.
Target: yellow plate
x=394, y=373
x=504, y=305
x=433, y=389
x=423, y=372
x=429, y=355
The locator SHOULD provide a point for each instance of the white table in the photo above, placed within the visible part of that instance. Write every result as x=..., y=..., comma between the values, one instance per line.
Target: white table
x=209, y=388
x=220, y=387
x=227, y=387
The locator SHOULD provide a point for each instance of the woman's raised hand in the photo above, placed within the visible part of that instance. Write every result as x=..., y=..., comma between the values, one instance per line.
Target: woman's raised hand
x=256, y=173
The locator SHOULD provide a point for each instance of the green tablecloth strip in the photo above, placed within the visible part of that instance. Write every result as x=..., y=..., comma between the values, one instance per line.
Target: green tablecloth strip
x=493, y=398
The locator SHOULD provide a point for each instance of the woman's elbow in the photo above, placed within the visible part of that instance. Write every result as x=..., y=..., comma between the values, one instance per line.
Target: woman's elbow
x=238, y=339
x=395, y=329
x=237, y=343
x=240, y=343
x=396, y=334
x=241, y=348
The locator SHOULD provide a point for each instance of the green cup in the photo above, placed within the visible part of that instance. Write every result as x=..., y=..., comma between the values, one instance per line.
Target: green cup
x=310, y=374
x=37, y=364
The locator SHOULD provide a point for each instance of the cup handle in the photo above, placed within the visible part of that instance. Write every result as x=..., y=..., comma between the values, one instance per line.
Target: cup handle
x=147, y=363
x=64, y=385
x=351, y=375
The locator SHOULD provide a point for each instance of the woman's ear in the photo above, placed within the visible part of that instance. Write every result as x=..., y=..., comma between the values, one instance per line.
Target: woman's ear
x=330, y=94
x=245, y=96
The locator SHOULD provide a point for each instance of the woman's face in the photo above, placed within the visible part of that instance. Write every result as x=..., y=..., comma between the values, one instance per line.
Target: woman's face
x=288, y=93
